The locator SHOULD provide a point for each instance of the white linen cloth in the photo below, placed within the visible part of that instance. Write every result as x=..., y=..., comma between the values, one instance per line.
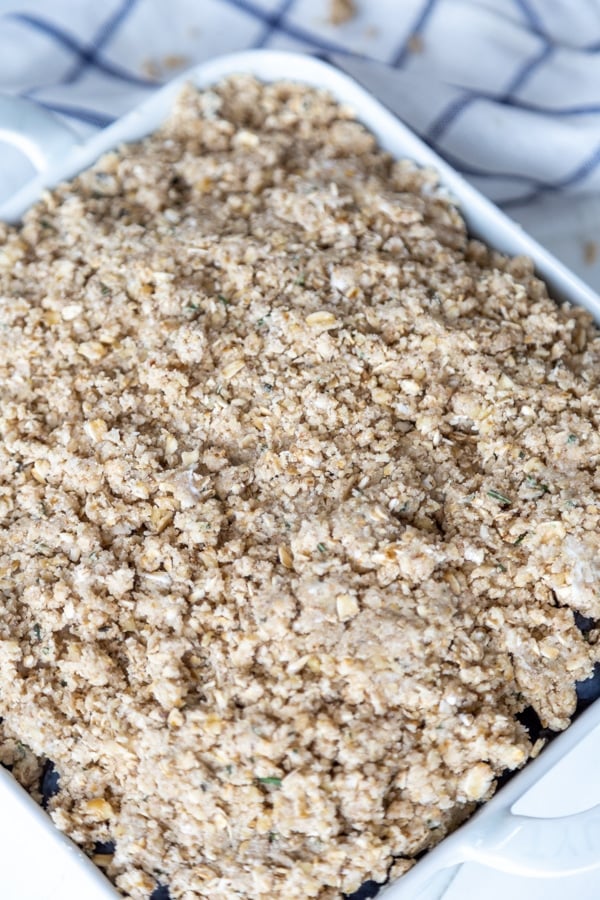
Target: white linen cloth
x=507, y=90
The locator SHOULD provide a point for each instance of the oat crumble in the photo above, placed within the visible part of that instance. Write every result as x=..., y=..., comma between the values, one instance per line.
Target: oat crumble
x=299, y=494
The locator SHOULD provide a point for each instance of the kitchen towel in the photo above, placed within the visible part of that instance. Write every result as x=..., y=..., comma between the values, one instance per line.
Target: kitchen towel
x=508, y=91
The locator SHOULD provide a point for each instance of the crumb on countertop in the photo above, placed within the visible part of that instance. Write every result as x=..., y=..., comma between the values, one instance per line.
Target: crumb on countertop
x=590, y=252
x=415, y=43
x=165, y=66
x=342, y=11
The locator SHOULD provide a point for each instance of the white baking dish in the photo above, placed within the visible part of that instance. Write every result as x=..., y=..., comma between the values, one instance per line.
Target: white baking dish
x=36, y=862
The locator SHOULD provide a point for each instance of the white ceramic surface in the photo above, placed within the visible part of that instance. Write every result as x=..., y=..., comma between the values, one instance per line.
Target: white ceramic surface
x=496, y=844
x=37, y=862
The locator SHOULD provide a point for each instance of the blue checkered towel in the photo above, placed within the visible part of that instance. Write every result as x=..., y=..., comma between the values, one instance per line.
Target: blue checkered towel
x=507, y=90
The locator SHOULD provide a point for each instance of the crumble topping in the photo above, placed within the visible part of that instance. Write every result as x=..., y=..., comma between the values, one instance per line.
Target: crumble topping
x=299, y=497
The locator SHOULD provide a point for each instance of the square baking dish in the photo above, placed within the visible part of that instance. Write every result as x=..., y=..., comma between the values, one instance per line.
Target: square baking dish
x=528, y=846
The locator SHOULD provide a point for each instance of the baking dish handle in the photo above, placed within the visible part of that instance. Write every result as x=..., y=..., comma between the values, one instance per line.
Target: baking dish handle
x=536, y=847
x=519, y=845
x=38, y=134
